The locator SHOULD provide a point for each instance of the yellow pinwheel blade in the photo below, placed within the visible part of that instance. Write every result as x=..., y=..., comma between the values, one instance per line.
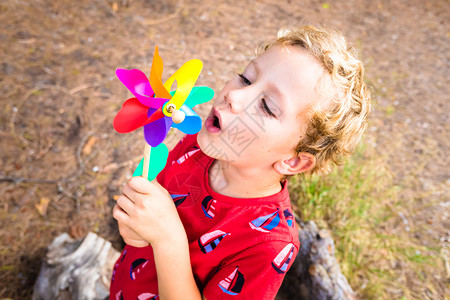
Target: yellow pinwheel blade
x=186, y=76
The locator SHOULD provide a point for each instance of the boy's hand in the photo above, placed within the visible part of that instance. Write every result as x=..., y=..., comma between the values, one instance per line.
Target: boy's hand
x=146, y=209
x=129, y=236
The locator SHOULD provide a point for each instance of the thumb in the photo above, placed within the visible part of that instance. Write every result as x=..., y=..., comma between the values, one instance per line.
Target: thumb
x=140, y=185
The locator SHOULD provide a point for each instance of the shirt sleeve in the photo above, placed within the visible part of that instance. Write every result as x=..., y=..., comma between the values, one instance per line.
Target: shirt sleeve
x=256, y=273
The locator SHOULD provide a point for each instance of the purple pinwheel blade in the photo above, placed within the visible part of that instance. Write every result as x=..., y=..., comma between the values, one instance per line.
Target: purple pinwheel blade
x=138, y=84
x=156, y=131
x=192, y=122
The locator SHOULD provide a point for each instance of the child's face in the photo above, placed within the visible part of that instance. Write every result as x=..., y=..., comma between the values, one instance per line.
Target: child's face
x=260, y=115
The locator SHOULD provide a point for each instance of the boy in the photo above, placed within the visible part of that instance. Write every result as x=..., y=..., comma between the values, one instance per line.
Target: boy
x=219, y=225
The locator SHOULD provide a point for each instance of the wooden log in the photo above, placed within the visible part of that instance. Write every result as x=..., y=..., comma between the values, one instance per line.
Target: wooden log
x=76, y=269
x=82, y=269
x=315, y=273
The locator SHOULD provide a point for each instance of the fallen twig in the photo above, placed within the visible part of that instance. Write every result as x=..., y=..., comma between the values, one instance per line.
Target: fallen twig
x=75, y=175
x=17, y=108
x=180, y=7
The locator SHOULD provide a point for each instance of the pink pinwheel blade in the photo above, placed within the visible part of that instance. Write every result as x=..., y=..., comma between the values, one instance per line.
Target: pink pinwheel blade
x=131, y=116
x=156, y=131
x=138, y=84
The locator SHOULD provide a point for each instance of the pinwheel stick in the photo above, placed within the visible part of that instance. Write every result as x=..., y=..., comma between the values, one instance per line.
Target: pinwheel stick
x=147, y=151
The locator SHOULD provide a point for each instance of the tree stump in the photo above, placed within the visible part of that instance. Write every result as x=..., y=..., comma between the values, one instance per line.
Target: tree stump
x=82, y=269
x=76, y=269
x=315, y=273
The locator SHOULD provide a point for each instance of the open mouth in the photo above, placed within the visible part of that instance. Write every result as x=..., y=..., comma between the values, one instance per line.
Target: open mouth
x=216, y=122
x=212, y=124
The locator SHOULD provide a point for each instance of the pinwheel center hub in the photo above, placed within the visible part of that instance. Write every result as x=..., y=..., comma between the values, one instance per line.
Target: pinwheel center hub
x=177, y=115
x=170, y=108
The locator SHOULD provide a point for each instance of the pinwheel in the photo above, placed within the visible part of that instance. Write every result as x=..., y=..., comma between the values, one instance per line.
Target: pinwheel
x=156, y=109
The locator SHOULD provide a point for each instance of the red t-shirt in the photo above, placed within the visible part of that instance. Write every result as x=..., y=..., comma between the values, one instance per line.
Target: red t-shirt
x=240, y=248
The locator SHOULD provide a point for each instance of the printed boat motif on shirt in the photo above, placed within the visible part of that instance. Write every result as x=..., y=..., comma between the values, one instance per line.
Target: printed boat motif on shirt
x=147, y=296
x=119, y=261
x=119, y=295
x=282, y=260
x=137, y=266
x=183, y=158
x=210, y=240
x=178, y=198
x=232, y=285
x=266, y=223
x=289, y=217
x=208, y=206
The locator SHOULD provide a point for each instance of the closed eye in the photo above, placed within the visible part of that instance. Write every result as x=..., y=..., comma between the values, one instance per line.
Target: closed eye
x=245, y=79
x=266, y=108
x=264, y=105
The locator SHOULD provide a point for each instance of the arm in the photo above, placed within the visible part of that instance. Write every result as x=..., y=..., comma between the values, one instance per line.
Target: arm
x=173, y=267
x=147, y=209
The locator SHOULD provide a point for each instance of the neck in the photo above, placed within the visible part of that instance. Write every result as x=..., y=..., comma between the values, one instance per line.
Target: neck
x=232, y=181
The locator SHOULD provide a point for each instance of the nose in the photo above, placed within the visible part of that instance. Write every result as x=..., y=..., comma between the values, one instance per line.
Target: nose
x=236, y=99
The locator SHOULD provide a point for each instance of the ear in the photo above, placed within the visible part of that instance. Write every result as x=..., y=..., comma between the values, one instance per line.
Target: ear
x=300, y=163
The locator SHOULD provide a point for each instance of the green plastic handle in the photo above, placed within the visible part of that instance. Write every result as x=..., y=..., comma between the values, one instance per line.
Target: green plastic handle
x=158, y=160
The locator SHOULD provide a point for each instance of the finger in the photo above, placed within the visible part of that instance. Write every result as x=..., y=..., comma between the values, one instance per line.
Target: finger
x=120, y=215
x=126, y=204
x=131, y=193
x=136, y=243
x=140, y=185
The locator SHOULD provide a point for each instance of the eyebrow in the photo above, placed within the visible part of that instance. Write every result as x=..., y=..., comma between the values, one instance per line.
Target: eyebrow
x=273, y=88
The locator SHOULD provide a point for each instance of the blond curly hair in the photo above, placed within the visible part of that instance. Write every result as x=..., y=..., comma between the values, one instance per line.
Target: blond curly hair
x=332, y=132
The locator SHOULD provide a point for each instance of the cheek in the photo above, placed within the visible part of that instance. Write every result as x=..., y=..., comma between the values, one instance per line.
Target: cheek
x=282, y=138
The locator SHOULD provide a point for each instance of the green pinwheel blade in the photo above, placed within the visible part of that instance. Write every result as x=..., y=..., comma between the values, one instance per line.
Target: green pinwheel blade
x=158, y=160
x=198, y=95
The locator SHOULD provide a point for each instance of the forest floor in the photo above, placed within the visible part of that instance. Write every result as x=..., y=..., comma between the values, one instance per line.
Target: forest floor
x=62, y=164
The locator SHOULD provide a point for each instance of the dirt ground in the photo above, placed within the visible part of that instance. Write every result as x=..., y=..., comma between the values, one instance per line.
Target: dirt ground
x=62, y=164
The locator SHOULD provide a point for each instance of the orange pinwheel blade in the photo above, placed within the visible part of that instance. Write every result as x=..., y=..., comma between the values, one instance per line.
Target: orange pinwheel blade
x=156, y=75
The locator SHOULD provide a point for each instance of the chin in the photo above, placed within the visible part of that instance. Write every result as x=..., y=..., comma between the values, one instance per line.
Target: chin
x=201, y=138
x=210, y=146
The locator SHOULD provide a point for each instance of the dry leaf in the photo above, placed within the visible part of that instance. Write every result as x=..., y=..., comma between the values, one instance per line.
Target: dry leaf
x=87, y=149
x=109, y=168
x=42, y=206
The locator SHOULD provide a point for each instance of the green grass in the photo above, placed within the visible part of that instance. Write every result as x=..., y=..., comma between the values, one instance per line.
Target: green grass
x=357, y=203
